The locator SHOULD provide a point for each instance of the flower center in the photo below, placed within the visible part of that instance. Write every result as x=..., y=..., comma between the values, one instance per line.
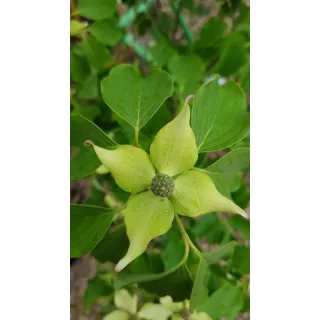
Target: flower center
x=162, y=185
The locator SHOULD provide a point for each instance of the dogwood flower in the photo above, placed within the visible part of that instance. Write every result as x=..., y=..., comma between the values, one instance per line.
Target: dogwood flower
x=162, y=183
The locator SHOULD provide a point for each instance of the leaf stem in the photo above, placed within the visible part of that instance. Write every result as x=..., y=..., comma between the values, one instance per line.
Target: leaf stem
x=186, y=238
x=136, y=137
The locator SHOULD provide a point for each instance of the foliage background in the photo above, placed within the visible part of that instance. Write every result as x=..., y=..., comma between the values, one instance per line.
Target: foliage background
x=95, y=50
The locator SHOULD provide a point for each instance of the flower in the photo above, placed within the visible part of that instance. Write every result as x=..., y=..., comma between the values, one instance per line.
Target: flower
x=161, y=184
x=127, y=306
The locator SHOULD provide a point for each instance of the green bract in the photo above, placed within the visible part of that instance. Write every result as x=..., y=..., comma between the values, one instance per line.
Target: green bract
x=155, y=198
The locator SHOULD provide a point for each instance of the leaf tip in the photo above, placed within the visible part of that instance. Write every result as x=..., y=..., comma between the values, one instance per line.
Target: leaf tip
x=88, y=143
x=122, y=264
x=189, y=97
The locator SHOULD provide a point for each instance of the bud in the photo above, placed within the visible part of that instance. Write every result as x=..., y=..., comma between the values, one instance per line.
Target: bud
x=162, y=185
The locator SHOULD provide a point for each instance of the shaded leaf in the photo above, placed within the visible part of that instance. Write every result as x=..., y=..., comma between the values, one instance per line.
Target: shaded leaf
x=79, y=68
x=240, y=262
x=241, y=225
x=211, y=32
x=113, y=245
x=232, y=54
x=89, y=89
x=236, y=160
x=88, y=224
x=187, y=72
x=96, y=9
x=223, y=253
x=200, y=291
x=97, y=288
x=225, y=302
x=96, y=53
x=106, y=31
x=85, y=161
x=173, y=249
x=175, y=282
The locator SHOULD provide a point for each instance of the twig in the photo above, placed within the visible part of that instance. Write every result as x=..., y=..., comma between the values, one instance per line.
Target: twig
x=73, y=10
x=186, y=237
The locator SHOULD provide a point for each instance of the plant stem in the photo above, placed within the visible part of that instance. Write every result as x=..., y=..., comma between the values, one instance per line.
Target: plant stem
x=185, y=236
x=182, y=22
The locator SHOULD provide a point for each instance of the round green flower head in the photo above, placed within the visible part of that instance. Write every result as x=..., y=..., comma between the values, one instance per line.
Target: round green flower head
x=157, y=197
x=162, y=185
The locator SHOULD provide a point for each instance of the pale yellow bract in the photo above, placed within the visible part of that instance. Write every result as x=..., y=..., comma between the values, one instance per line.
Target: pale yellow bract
x=173, y=152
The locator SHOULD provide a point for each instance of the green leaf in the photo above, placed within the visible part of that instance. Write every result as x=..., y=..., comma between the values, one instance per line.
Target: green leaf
x=223, y=253
x=210, y=228
x=79, y=68
x=128, y=130
x=113, y=245
x=225, y=302
x=173, y=249
x=88, y=224
x=161, y=53
x=155, y=212
x=241, y=225
x=106, y=31
x=89, y=89
x=134, y=98
x=76, y=27
x=96, y=53
x=175, y=282
x=211, y=32
x=82, y=163
x=241, y=195
x=232, y=54
x=159, y=119
x=96, y=9
x=85, y=161
x=90, y=111
x=223, y=182
x=219, y=117
x=187, y=72
x=200, y=291
x=233, y=162
x=240, y=262
x=224, y=172
x=97, y=288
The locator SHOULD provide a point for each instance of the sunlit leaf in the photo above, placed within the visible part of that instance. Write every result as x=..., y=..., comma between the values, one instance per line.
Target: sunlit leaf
x=134, y=98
